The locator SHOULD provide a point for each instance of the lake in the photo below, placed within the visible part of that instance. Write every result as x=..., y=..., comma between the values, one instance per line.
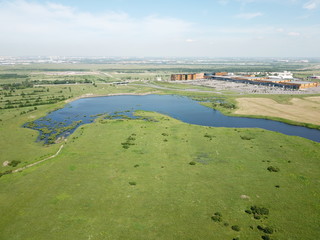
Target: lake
x=63, y=122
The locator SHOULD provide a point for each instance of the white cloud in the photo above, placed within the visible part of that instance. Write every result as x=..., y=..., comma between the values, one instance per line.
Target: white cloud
x=294, y=34
x=31, y=27
x=54, y=26
x=311, y=5
x=249, y=15
x=245, y=30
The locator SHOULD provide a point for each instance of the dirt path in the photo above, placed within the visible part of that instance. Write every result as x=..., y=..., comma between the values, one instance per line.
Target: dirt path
x=33, y=164
x=305, y=110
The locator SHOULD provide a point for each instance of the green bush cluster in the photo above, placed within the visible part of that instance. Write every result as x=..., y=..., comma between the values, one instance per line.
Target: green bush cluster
x=217, y=217
x=246, y=138
x=129, y=142
x=14, y=163
x=5, y=173
x=265, y=237
x=27, y=111
x=209, y=136
x=223, y=103
x=18, y=103
x=273, y=169
x=267, y=230
x=235, y=228
x=258, y=212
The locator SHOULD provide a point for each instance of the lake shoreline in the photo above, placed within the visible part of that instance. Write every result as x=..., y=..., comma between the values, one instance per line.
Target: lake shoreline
x=179, y=110
x=91, y=95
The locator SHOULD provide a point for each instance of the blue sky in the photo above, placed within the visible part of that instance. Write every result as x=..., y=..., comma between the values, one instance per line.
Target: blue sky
x=222, y=28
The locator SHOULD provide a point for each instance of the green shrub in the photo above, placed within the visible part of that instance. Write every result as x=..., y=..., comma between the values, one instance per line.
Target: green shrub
x=137, y=165
x=235, y=228
x=248, y=211
x=265, y=237
x=192, y=163
x=216, y=218
x=5, y=173
x=218, y=214
x=209, y=136
x=246, y=137
x=132, y=183
x=267, y=230
x=259, y=210
x=256, y=216
x=273, y=169
x=14, y=163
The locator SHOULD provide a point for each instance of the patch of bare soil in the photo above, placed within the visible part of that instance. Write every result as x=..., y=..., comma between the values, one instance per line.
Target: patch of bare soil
x=305, y=110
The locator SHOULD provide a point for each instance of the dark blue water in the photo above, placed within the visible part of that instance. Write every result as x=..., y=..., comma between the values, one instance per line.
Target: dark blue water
x=179, y=107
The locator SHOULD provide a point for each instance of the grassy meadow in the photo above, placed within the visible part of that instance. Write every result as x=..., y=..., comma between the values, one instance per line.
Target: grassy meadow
x=156, y=179
x=168, y=185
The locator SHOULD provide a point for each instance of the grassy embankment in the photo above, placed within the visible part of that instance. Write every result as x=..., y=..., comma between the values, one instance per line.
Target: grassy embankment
x=97, y=189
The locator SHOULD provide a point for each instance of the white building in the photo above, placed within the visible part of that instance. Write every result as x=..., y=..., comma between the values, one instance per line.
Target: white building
x=281, y=75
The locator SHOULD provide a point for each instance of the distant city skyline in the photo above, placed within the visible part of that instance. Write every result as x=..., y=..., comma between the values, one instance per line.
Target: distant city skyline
x=222, y=28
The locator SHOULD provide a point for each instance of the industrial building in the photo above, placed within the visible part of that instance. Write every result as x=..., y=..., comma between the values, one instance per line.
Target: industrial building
x=186, y=76
x=302, y=84
x=283, y=80
x=272, y=82
x=281, y=75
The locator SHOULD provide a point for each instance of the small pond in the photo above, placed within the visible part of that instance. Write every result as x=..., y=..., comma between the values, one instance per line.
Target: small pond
x=64, y=121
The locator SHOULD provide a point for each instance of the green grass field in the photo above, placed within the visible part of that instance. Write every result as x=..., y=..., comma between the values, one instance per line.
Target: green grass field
x=163, y=179
x=96, y=189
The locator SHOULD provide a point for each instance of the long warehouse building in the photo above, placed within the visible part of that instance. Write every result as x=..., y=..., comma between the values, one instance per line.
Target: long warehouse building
x=248, y=79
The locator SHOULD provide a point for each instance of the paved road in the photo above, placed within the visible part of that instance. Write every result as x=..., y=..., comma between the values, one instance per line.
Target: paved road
x=174, y=89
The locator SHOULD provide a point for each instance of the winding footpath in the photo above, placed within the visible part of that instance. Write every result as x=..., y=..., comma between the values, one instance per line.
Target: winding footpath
x=33, y=164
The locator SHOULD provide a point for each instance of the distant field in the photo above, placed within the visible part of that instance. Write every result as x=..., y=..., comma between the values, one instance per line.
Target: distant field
x=138, y=68
x=301, y=110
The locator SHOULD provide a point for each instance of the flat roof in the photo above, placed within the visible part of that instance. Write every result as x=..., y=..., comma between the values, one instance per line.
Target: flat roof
x=273, y=79
x=301, y=82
